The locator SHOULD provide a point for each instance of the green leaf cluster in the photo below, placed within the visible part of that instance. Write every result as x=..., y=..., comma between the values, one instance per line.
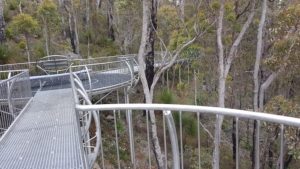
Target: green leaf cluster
x=23, y=24
x=47, y=13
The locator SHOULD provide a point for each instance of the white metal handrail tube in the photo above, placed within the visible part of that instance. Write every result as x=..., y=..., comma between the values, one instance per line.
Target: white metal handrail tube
x=290, y=121
x=97, y=64
x=97, y=124
x=79, y=91
x=9, y=96
x=89, y=77
x=173, y=138
x=237, y=114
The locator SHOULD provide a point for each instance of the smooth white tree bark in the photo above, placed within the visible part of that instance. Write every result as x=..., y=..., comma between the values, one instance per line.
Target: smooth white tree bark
x=259, y=47
x=224, y=66
x=167, y=63
x=2, y=22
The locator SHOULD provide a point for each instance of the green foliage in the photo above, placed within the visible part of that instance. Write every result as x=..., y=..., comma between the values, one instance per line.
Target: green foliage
x=189, y=123
x=166, y=97
x=124, y=155
x=23, y=24
x=120, y=126
x=177, y=39
x=22, y=44
x=47, y=12
x=230, y=17
x=181, y=86
x=39, y=50
x=4, y=53
x=228, y=40
x=288, y=18
x=281, y=106
x=192, y=51
x=13, y=4
x=229, y=11
x=47, y=8
x=286, y=39
x=125, y=4
x=285, y=52
x=215, y=5
x=168, y=18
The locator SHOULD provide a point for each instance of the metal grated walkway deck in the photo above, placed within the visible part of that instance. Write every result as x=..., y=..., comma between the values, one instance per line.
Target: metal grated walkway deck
x=45, y=136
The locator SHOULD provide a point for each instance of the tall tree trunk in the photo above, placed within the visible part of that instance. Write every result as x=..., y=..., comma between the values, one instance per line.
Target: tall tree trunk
x=221, y=88
x=181, y=8
x=146, y=62
x=61, y=9
x=259, y=54
x=2, y=23
x=149, y=52
x=73, y=31
x=259, y=48
x=98, y=4
x=146, y=47
x=110, y=19
x=224, y=66
x=45, y=32
x=87, y=27
x=27, y=48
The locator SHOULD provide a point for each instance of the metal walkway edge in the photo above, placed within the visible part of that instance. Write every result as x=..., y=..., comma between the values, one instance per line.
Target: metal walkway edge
x=45, y=136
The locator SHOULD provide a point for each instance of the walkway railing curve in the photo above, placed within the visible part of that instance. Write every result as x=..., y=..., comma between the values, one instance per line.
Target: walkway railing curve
x=92, y=141
x=178, y=156
x=107, y=76
x=15, y=93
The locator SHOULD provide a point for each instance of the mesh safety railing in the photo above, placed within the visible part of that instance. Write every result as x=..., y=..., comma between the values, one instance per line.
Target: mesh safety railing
x=15, y=92
x=102, y=77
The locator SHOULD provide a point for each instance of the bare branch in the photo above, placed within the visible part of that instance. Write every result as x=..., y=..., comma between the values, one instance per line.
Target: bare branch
x=238, y=40
x=244, y=10
x=272, y=77
x=166, y=66
x=207, y=131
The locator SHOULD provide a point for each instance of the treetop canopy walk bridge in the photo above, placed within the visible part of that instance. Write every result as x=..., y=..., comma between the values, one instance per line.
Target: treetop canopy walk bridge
x=49, y=121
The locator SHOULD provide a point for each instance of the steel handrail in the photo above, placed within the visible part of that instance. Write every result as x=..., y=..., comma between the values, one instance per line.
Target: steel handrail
x=13, y=77
x=290, y=121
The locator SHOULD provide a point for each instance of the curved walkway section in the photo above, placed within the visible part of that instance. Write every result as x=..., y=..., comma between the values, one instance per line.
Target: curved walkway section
x=46, y=135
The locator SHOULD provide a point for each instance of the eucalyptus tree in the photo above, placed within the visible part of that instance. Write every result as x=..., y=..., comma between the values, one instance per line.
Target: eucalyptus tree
x=110, y=19
x=72, y=25
x=127, y=25
x=47, y=12
x=25, y=25
x=2, y=22
x=150, y=76
x=225, y=60
x=259, y=50
x=280, y=50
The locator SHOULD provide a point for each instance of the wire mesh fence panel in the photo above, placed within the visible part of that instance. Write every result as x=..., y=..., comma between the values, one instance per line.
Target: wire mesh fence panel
x=15, y=92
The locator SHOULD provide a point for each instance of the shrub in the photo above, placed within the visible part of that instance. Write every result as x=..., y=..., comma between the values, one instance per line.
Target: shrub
x=166, y=97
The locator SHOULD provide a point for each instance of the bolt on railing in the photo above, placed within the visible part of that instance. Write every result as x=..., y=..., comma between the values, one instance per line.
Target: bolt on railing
x=15, y=92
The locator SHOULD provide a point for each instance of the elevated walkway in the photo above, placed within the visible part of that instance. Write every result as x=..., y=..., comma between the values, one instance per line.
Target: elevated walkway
x=45, y=135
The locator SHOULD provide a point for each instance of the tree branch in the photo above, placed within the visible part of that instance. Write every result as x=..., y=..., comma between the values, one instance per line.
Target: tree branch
x=272, y=77
x=238, y=40
x=165, y=66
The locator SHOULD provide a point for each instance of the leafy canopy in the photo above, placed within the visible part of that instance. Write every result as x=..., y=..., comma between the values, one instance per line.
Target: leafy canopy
x=48, y=10
x=23, y=24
